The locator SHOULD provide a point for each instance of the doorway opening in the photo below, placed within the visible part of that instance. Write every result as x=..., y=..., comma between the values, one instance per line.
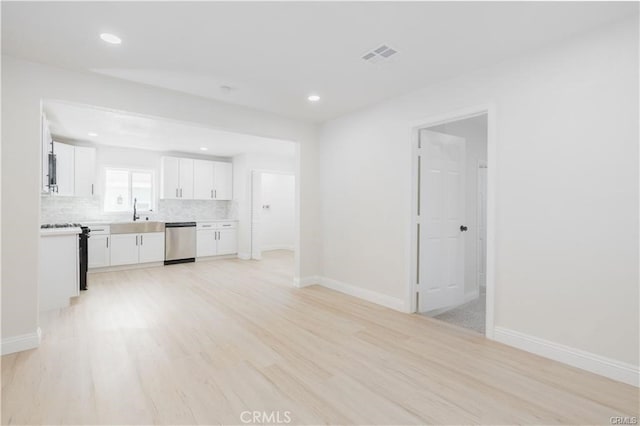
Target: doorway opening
x=451, y=164
x=273, y=195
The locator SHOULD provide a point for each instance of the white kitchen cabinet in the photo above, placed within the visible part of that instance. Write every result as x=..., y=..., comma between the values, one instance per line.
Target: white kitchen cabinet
x=223, y=181
x=203, y=180
x=227, y=242
x=216, y=238
x=151, y=247
x=59, y=274
x=124, y=249
x=176, y=178
x=206, y=242
x=46, y=147
x=129, y=249
x=84, y=171
x=186, y=178
x=170, y=178
x=99, y=251
x=213, y=180
x=65, y=165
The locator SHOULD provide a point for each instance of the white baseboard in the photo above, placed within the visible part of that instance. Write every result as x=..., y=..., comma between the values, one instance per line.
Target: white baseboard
x=361, y=293
x=218, y=257
x=611, y=368
x=22, y=342
x=276, y=247
x=125, y=267
x=244, y=256
x=306, y=281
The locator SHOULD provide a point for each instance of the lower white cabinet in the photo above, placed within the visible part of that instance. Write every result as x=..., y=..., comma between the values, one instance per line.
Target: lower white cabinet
x=206, y=243
x=58, y=270
x=215, y=239
x=99, y=253
x=227, y=241
x=151, y=248
x=125, y=249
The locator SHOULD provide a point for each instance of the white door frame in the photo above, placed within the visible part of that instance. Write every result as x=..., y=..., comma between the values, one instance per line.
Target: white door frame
x=434, y=120
x=481, y=165
x=256, y=180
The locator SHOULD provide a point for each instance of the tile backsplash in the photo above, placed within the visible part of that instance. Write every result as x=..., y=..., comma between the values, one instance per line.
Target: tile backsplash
x=80, y=209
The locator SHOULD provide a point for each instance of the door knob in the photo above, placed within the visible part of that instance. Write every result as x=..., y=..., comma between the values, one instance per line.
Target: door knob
x=463, y=228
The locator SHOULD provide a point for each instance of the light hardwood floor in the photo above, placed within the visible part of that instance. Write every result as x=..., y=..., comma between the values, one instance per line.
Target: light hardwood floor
x=201, y=343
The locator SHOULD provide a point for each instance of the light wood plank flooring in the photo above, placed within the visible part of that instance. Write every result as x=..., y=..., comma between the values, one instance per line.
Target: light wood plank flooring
x=201, y=343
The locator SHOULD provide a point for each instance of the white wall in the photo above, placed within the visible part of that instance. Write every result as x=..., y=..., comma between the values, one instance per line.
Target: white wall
x=277, y=220
x=243, y=165
x=474, y=130
x=26, y=84
x=567, y=190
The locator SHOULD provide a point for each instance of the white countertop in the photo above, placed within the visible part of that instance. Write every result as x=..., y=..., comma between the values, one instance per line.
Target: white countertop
x=56, y=232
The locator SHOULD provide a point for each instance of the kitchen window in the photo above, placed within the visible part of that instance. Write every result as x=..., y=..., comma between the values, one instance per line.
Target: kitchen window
x=123, y=185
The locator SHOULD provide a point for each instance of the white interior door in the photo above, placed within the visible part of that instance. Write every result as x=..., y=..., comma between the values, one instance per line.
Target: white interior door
x=278, y=211
x=441, y=220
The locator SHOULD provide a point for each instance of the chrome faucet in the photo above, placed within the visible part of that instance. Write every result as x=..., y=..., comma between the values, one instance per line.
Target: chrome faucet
x=135, y=216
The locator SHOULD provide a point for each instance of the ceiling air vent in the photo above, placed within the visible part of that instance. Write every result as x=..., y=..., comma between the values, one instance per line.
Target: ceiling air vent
x=379, y=54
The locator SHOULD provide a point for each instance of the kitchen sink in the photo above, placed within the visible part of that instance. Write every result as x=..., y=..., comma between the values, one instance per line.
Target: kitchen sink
x=136, y=227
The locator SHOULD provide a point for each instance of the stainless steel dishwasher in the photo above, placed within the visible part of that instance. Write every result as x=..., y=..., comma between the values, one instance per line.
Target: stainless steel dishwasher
x=180, y=242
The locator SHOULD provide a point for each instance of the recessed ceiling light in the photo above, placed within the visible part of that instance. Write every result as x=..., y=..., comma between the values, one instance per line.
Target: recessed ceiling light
x=202, y=148
x=111, y=38
x=92, y=134
x=313, y=98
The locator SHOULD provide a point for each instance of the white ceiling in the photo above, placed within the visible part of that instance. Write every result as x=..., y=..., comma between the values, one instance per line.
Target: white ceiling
x=116, y=128
x=276, y=53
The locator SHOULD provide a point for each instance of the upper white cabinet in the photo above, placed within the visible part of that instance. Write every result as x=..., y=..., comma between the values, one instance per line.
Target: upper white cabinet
x=187, y=179
x=213, y=180
x=203, y=180
x=64, y=169
x=85, y=171
x=46, y=146
x=74, y=168
x=176, y=178
x=223, y=181
x=170, y=178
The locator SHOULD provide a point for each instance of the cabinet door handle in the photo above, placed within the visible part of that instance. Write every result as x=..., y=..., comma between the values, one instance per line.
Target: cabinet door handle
x=176, y=192
x=136, y=240
x=91, y=189
x=107, y=242
x=215, y=193
x=141, y=240
x=212, y=193
x=180, y=192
